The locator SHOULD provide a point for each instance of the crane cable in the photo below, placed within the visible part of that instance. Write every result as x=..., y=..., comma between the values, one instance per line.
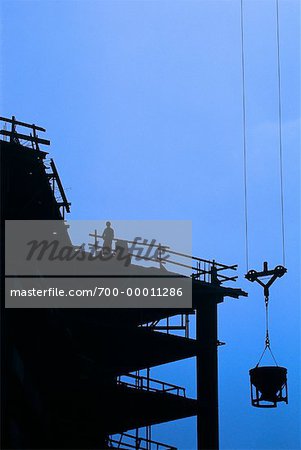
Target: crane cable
x=244, y=133
x=245, y=139
x=267, y=336
x=280, y=132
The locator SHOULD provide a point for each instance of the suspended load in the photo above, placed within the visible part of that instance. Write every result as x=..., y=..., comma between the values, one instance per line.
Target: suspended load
x=268, y=386
x=268, y=383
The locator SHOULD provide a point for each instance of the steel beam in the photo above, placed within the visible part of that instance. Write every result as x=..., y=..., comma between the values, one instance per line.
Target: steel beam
x=207, y=374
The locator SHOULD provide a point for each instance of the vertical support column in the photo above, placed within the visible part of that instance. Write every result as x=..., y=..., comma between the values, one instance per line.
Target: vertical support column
x=207, y=374
x=4, y=184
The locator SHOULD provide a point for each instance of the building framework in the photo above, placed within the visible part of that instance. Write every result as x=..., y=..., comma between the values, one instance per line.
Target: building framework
x=82, y=378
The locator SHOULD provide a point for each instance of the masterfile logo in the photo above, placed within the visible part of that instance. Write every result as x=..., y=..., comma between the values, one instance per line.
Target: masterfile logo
x=111, y=264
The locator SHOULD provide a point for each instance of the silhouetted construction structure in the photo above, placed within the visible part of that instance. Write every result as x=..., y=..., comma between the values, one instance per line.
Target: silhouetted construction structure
x=72, y=378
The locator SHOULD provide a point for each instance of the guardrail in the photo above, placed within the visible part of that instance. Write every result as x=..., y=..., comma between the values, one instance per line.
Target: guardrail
x=150, y=384
x=128, y=441
x=202, y=269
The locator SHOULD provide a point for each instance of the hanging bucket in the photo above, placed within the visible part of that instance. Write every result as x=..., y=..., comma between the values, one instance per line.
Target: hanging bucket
x=268, y=386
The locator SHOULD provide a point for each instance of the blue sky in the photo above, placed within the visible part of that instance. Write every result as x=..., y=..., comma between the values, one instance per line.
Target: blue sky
x=142, y=103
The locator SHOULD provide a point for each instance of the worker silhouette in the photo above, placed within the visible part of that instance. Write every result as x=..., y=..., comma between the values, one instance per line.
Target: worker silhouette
x=108, y=236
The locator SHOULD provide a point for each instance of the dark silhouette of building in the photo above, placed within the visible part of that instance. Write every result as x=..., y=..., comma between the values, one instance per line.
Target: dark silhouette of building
x=63, y=370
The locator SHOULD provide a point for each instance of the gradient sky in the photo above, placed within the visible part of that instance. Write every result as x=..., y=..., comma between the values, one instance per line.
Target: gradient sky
x=142, y=103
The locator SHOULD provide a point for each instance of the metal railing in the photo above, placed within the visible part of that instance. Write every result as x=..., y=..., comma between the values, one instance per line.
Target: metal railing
x=202, y=269
x=150, y=384
x=128, y=441
x=168, y=324
x=21, y=138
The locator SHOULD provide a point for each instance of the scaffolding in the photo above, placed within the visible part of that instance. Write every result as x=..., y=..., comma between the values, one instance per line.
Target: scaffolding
x=111, y=347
